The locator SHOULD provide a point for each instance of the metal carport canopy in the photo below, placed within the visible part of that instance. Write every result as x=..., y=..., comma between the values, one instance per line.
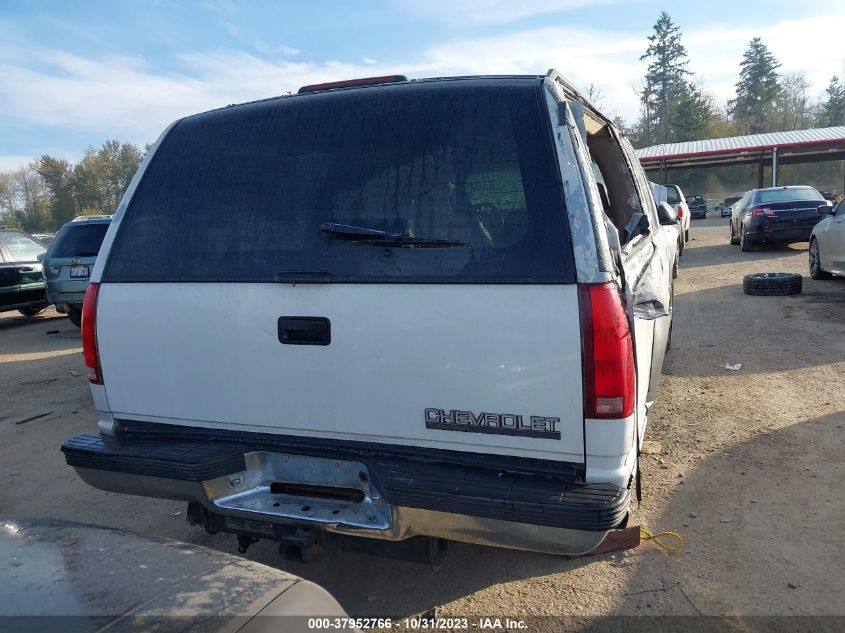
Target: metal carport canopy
x=797, y=146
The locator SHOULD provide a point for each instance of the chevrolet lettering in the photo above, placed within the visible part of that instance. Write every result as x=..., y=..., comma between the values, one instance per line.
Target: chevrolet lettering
x=501, y=423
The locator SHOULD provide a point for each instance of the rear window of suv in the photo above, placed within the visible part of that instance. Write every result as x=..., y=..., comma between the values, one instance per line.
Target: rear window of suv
x=240, y=194
x=78, y=240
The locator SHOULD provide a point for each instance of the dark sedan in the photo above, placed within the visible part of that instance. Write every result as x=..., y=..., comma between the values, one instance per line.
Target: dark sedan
x=21, y=284
x=776, y=214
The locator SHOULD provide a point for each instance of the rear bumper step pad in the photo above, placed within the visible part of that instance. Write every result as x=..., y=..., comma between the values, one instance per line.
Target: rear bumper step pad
x=509, y=489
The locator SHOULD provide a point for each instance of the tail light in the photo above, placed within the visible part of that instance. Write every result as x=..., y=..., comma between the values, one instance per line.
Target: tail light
x=89, y=335
x=762, y=212
x=608, y=353
x=680, y=210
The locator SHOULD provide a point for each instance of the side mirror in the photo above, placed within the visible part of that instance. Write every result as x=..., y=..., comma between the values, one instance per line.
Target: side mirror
x=40, y=256
x=666, y=214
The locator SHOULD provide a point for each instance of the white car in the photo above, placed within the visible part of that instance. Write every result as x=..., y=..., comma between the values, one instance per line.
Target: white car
x=727, y=206
x=673, y=195
x=384, y=308
x=827, y=244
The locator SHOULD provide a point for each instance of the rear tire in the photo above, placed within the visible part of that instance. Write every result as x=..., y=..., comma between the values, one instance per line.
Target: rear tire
x=816, y=271
x=75, y=316
x=772, y=284
x=686, y=235
x=744, y=243
x=31, y=311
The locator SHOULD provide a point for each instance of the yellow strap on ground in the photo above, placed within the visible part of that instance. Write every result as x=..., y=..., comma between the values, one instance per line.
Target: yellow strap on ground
x=669, y=542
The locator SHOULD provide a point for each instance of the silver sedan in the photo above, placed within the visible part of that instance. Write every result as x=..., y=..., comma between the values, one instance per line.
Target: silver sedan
x=827, y=245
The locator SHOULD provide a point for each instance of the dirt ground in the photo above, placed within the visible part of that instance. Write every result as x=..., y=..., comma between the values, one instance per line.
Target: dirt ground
x=750, y=470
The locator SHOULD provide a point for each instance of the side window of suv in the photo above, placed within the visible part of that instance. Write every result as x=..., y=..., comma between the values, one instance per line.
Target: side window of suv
x=631, y=182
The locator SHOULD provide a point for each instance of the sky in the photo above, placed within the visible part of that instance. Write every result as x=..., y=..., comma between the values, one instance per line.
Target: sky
x=73, y=74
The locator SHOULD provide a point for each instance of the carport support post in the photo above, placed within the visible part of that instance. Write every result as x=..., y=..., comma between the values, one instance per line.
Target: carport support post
x=774, y=167
x=760, y=167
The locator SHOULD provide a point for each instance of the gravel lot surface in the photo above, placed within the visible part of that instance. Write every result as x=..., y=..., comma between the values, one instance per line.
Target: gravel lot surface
x=749, y=468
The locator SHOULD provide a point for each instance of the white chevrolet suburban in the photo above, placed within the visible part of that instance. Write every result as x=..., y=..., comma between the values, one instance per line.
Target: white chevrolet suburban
x=408, y=311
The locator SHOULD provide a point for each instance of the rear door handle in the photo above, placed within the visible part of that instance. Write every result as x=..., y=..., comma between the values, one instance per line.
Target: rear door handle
x=304, y=330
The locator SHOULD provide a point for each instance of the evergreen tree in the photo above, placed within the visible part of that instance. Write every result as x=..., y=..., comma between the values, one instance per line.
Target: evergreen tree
x=665, y=80
x=692, y=114
x=833, y=106
x=754, y=109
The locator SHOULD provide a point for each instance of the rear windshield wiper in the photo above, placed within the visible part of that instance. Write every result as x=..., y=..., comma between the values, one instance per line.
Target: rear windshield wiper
x=363, y=235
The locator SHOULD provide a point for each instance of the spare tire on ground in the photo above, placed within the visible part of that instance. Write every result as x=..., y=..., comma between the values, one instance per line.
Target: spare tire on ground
x=771, y=284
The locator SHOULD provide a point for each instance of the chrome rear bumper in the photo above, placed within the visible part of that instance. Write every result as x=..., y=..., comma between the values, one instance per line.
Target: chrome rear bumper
x=403, y=522
x=357, y=497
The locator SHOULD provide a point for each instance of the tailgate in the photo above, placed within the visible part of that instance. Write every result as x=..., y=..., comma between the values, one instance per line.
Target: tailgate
x=481, y=368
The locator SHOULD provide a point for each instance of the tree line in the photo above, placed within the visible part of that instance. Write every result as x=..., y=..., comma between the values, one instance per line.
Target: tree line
x=49, y=191
x=675, y=107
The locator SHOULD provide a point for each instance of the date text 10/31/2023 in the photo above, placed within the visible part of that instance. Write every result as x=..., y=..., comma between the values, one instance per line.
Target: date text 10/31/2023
x=417, y=624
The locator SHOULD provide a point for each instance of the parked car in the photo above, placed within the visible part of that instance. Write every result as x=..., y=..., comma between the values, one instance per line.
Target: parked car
x=44, y=238
x=21, y=286
x=69, y=260
x=727, y=205
x=698, y=208
x=776, y=214
x=671, y=226
x=310, y=316
x=827, y=244
x=676, y=230
x=673, y=195
x=84, y=577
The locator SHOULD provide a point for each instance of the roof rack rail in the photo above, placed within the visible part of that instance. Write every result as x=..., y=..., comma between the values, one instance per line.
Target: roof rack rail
x=79, y=218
